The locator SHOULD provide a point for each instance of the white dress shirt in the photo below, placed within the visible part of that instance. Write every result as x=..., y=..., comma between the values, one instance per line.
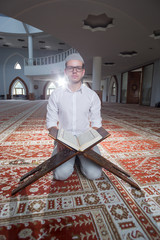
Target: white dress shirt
x=74, y=111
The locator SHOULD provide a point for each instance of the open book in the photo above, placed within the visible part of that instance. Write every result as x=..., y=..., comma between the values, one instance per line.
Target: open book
x=82, y=141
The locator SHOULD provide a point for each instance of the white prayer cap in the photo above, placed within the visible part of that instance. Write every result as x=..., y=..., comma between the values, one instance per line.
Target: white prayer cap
x=74, y=56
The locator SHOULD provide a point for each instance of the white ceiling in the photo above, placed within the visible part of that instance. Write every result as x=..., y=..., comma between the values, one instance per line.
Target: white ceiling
x=134, y=22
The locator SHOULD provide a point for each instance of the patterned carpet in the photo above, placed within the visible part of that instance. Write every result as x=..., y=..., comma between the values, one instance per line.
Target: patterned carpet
x=104, y=209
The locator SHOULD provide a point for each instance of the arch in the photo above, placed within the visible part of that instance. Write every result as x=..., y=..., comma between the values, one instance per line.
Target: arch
x=50, y=88
x=44, y=96
x=113, y=90
x=4, y=68
x=12, y=84
x=113, y=86
x=45, y=90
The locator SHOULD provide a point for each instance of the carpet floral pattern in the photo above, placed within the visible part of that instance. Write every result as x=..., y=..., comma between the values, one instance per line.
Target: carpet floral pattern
x=105, y=209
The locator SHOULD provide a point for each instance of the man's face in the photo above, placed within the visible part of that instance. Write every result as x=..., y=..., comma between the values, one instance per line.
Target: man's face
x=74, y=71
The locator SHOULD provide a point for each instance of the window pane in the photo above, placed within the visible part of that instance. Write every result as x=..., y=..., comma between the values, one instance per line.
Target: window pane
x=147, y=85
x=124, y=88
x=18, y=85
x=50, y=89
x=18, y=89
x=113, y=89
x=17, y=66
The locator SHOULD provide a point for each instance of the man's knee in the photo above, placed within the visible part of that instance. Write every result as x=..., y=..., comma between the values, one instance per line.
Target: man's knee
x=92, y=174
x=62, y=174
x=64, y=171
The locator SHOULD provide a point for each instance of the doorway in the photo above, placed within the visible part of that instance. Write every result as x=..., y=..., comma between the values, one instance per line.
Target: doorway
x=133, y=88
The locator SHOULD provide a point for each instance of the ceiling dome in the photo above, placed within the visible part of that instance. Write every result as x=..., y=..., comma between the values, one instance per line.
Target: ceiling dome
x=10, y=25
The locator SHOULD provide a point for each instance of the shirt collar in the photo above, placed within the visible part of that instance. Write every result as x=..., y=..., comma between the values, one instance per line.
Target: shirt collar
x=80, y=89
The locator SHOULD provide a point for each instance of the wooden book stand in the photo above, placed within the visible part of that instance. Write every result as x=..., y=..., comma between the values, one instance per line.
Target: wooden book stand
x=67, y=154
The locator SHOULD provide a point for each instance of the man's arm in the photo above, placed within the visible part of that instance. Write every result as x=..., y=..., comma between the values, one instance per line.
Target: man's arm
x=52, y=117
x=95, y=112
x=52, y=112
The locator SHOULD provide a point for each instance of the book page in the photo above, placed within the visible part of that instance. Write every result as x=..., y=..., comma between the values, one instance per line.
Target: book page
x=88, y=138
x=68, y=138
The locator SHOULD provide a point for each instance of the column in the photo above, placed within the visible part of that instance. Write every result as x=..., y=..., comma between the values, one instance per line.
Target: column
x=96, y=73
x=30, y=50
x=31, y=89
x=30, y=62
x=96, y=76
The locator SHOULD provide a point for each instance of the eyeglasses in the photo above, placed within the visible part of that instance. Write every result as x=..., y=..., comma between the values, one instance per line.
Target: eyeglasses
x=77, y=68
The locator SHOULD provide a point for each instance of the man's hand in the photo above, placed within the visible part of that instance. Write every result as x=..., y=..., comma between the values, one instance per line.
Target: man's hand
x=60, y=146
x=95, y=128
x=54, y=127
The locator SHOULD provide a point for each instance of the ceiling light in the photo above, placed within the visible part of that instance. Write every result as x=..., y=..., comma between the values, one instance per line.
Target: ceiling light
x=5, y=45
x=128, y=53
x=109, y=64
x=20, y=40
x=47, y=47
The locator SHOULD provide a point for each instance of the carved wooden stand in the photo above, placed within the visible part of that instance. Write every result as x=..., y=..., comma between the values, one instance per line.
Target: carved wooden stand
x=63, y=156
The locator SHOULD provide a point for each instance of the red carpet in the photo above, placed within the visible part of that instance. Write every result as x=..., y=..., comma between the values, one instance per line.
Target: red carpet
x=107, y=208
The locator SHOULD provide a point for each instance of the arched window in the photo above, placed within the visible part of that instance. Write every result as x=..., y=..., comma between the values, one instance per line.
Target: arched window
x=113, y=91
x=18, y=88
x=17, y=66
x=50, y=88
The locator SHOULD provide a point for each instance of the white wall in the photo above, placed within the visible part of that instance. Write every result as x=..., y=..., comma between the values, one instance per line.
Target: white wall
x=56, y=68
x=8, y=58
x=7, y=72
